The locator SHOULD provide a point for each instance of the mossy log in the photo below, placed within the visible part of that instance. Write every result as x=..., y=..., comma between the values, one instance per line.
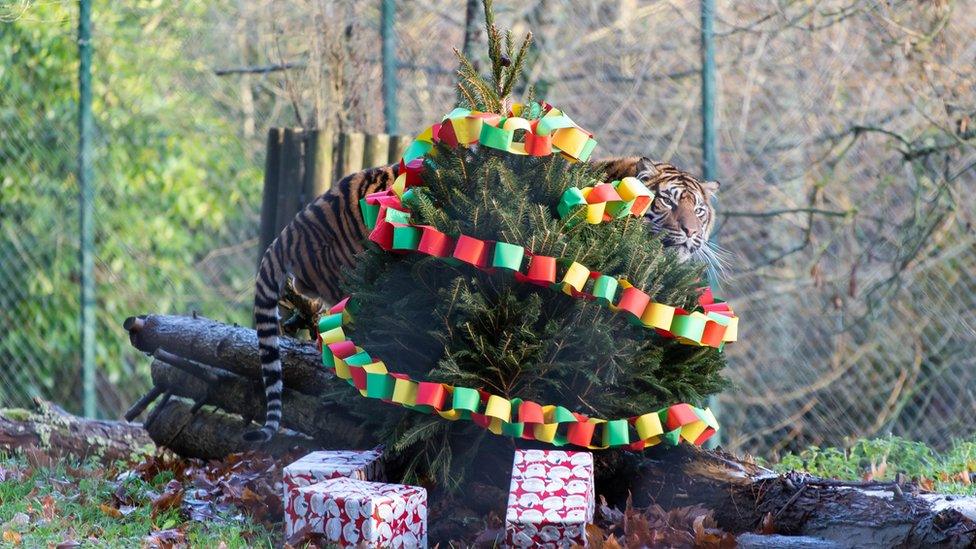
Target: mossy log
x=51, y=430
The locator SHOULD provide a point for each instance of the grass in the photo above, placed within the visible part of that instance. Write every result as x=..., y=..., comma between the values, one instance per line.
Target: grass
x=45, y=503
x=948, y=472
x=79, y=502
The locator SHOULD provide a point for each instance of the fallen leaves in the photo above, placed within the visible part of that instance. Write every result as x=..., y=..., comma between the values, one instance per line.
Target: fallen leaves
x=964, y=478
x=110, y=511
x=305, y=537
x=10, y=474
x=38, y=459
x=48, y=508
x=212, y=490
x=14, y=538
x=165, y=539
x=171, y=498
x=692, y=526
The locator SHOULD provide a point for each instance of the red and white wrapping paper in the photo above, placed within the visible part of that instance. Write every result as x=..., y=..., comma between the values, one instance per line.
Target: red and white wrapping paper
x=318, y=466
x=352, y=512
x=551, y=499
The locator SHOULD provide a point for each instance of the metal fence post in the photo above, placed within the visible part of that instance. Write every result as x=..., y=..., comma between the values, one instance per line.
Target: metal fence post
x=388, y=35
x=709, y=140
x=86, y=209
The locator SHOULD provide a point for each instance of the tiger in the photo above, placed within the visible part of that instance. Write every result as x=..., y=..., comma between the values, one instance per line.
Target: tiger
x=325, y=236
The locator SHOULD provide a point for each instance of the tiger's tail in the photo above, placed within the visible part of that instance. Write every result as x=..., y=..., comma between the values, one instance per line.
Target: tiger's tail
x=271, y=277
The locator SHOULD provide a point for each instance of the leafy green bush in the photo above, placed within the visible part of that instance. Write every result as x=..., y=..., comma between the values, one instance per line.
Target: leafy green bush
x=173, y=184
x=884, y=458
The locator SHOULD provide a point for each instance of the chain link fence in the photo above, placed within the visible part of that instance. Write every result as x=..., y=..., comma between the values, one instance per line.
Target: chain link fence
x=846, y=155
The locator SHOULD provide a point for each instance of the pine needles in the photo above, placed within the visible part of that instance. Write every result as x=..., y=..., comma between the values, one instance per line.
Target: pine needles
x=486, y=95
x=449, y=322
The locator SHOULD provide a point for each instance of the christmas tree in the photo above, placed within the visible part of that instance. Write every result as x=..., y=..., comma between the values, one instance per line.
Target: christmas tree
x=510, y=294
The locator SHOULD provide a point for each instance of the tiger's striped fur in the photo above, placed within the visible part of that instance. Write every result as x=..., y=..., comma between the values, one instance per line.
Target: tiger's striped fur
x=682, y=207
x=329, y=232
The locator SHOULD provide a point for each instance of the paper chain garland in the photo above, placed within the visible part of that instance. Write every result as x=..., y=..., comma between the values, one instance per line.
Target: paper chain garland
x=515, y=417
x=392, y=230
x=551, y=133
x=389, y=220
x=607, y=201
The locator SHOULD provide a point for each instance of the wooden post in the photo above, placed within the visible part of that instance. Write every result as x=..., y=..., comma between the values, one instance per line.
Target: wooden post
x=319, y=165
x=350, y=154
x=376, y=151
x=290, y=178
x=269, y=202
x=398, y=144
x=301, y=165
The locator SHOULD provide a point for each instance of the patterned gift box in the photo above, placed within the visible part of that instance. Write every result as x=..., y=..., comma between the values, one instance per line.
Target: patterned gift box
x=351, y=512
x=318, y=466
x=551, y=499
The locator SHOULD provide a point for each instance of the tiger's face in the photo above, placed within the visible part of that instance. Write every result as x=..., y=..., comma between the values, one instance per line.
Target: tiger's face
x=681, y=211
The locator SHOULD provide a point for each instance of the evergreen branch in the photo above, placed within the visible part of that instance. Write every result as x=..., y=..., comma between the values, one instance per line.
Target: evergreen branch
x=518, y=64
x=494, y=43
x=468, y=98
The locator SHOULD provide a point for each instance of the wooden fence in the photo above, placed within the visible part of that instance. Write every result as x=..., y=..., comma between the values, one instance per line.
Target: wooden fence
x=302, y=164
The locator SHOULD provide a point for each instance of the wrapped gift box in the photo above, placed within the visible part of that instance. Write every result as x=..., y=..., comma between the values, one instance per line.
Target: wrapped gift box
x=551, y=499
x=352, y=512
x=318, y=466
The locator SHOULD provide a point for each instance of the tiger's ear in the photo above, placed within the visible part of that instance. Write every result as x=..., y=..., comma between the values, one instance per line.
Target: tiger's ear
x=646, y=171
x=711, y=187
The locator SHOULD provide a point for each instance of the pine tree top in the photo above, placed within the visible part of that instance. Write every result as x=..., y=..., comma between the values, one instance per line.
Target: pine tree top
x=492, y=95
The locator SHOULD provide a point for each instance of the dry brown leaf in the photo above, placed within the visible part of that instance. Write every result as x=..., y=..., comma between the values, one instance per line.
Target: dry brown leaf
x=48, y=508
x=38, y=459
x=171, y=498
x=611, y=543
x=964, y=478
x=12, y=537
x=708, y=535
x=595, y=536
x=165, y=539
x=110, y=511
x=767, y=528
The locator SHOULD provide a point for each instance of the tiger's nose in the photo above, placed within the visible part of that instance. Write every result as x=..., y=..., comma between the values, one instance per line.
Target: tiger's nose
x=689, y=231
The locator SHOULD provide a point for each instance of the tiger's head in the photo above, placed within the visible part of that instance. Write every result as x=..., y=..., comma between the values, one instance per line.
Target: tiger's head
x=681, y=211
x=682, y=208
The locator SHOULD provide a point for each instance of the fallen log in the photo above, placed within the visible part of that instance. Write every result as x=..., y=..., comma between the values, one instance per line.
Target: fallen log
x=238, y=395
x=229, y=348
x=51, y=430
x=211, y=434
x=746, y=497
x=209, y=363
